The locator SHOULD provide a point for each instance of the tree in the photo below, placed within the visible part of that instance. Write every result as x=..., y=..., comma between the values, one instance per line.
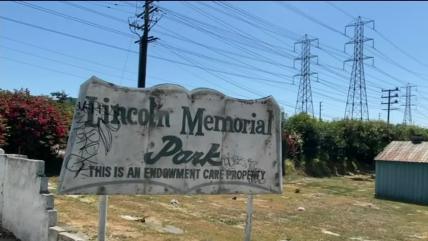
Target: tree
x=60, y=96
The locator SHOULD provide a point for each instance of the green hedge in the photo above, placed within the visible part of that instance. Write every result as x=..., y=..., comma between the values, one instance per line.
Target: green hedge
x=336, y=147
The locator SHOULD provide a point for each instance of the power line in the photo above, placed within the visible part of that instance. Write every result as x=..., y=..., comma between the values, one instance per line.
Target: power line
x=230, y=65
x=279, y=53
x=17, y=61
x=272, y=63
x=101, y=43
x=341, y=10
x=329, y=27
x=190, y=24
x=85, y=78
x=168, y=10
x=127, y=50
x=282, y=34
x=296, y=10
x=67, y=64
x=74, y=19
x=70, y=56
x=60, y=62
x=104, y=6
x=126, y=62
x=380, y=34
x=94, y=11
x=101, y=64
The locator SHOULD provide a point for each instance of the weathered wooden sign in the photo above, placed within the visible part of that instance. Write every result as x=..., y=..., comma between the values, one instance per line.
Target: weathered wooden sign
x=168, y=140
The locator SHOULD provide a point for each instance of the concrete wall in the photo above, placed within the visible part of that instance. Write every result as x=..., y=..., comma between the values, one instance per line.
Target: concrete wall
x=26, y=206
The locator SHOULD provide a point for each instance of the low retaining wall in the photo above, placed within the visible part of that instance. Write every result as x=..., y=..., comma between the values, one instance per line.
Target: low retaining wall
x=26, y=206
x=60, y=234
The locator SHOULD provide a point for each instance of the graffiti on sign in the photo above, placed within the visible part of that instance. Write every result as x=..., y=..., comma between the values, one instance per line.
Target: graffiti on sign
x=168, y=140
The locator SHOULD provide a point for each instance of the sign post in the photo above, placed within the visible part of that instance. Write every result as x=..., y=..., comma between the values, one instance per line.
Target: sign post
x=249, y=218
x=102, y=218
x=168, y=140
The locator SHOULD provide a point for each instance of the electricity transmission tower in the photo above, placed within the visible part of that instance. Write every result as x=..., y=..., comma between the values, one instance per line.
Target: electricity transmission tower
x=148, y=15
x=407, y=119
x=304, y=96
x=356, y=104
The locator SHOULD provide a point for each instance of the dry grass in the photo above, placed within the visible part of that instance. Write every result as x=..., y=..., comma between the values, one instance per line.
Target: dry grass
x=336, y=209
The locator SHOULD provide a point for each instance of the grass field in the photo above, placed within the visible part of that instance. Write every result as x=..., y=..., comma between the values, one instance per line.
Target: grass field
x=337, y=208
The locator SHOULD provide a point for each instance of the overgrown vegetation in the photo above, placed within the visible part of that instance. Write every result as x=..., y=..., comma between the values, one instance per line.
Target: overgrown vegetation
x=37, y=125
x=336, y=147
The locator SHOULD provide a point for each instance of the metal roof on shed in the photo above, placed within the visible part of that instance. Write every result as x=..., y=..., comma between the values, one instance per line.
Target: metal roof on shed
x=404, y=151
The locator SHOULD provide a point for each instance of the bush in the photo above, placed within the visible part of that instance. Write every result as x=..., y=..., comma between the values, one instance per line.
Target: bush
x=35, y=124
x=344, y=145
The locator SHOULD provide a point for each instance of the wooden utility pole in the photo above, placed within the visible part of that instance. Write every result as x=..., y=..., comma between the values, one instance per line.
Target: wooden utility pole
x=144, y=42
x=147, y=16
x=389, y=101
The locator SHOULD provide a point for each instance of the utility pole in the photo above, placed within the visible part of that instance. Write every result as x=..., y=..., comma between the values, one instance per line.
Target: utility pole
x=147, y=15
x=320, y=109
x=304, y=96
x=379, y=115
x=407, y=118
x=389, y=103
x=356, y=104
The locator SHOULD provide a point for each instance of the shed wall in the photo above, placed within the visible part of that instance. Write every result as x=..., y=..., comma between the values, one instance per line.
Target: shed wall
x=402, y=181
